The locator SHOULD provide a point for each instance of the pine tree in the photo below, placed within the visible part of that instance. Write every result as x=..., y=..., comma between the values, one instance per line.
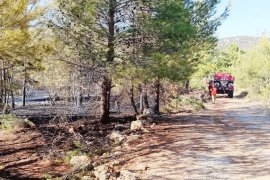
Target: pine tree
x=96, y=30
x=21, y=43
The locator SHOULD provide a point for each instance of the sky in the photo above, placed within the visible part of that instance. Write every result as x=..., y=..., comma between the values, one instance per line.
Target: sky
x=246, y=18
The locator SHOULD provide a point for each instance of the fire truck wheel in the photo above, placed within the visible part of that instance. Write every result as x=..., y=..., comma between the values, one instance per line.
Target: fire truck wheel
x=230, y=94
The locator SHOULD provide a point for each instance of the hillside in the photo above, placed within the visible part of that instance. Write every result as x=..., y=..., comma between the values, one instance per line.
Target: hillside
x=243, y=42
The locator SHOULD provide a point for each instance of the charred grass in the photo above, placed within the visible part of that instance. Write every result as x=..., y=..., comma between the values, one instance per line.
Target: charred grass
x=31, y=153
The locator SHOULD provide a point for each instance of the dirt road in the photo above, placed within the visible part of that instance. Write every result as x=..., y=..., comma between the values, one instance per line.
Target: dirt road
x=228, y=140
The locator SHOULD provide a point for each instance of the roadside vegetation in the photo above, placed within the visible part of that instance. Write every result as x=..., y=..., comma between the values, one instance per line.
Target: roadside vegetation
x=253, y=71
x=8, y=122
x=250, y=67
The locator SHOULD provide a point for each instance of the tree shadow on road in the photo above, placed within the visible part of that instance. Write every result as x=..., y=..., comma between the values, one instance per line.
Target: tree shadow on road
x=209, y=144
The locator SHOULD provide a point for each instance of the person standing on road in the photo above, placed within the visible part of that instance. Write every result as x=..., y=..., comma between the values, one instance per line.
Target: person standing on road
x=214, y=93
x=210, y=86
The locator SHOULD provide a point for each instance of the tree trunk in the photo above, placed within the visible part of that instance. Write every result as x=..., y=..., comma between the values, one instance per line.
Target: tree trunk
x=5, y=86
x=141, y=98
x=145, y=97
x=12, y=92
x=187, y=86
x=105, y=100
x=157, y=96
x=51, y=98
x=1, y=86
x=24, y=85
x=107, y=82
x=8, y=95
x=131, y=96
x=79, y=97
x=24, y=91
x=13, y=99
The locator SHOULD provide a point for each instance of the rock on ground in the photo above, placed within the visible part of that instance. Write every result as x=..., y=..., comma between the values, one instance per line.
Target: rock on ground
x=102, y=172
x=148, y=112
x=79, y=160
x=127, y=175
x=133, y=138
x=86, y=178
x=117, y=136
x=136, y=125
x=139, y=167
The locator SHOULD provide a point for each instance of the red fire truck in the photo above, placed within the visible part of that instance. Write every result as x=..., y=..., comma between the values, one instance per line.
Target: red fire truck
x=224, y=83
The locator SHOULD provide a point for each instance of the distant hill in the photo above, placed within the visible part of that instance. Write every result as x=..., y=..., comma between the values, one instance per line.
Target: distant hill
x=243, y=42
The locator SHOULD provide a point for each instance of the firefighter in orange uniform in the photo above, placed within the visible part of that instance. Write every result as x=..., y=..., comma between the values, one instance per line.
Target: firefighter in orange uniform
x=213, y=93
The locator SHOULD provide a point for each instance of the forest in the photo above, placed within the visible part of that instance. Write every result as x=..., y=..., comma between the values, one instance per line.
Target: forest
x=103, y=50
x=71, y=71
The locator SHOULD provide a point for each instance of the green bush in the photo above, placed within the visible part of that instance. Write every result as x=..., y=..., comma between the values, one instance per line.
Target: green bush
x=78, y=144
x=252, y=71
x=197, y=104
x=70, y=154
x=183, y=103
x=47, y=176
x=8, y=121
